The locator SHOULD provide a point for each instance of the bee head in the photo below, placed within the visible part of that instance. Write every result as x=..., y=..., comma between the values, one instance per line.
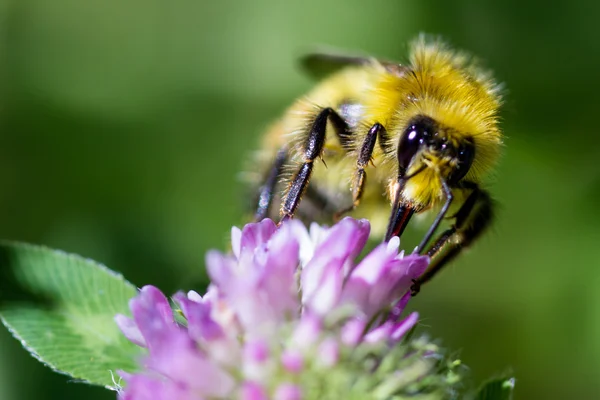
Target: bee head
x=424, y=143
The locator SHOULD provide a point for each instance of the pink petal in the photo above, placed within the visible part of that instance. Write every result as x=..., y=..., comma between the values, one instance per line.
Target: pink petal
x=307, y=331
x=382, y=278
x=278, y=281
x=392, y=330
x=220, y=268
x=372, y=266
x=293, y=361
x=402, y=327
x=180, y=360
x=253, y=391
x=361, y=235
x=200, y=324
x=352, y=332
x=288, y=391
x=255, y=235
x=327, y=293
x=397, y=308
x=305, y=240
x=153, y=316
x=130, y=330
x=329, y=352
x=256, y=351
x=251, y=307
x=344, y=241
x=382, y=332
x=142, y=387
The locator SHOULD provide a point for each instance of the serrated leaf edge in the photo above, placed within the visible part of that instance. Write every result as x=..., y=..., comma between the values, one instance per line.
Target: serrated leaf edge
x=22, y=341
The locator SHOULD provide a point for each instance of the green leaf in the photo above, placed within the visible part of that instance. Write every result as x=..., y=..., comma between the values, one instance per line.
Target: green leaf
x=61, y=308
x=497, y=389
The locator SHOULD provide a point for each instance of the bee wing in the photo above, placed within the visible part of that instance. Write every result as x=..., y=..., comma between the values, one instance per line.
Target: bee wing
x=323, y=63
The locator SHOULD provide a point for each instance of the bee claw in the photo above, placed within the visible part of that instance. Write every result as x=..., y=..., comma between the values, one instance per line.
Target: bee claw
x=284, y=219
x=415, y=288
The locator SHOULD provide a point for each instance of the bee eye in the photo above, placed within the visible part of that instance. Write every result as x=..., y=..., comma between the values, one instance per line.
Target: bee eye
x=418, y=132
x=465, y=155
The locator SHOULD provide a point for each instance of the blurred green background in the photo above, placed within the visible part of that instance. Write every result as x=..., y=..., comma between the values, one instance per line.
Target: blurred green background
x=124, y=125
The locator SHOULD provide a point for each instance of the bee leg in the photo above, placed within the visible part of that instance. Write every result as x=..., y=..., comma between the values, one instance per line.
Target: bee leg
x=313, y=149
x=472, y=218
x=359, y=179
x=439, y=218
x=267, y=190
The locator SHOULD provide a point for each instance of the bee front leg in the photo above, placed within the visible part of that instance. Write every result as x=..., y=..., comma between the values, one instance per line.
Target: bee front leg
x=439, y=218
x=359, y=179
x=267, y=190
x=313, y=149
x=473, y=217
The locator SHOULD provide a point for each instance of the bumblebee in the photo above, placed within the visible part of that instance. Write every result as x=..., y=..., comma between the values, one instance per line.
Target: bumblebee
x=395, y=140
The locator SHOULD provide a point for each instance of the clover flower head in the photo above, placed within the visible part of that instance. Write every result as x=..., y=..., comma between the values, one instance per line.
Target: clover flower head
x=289, y=315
